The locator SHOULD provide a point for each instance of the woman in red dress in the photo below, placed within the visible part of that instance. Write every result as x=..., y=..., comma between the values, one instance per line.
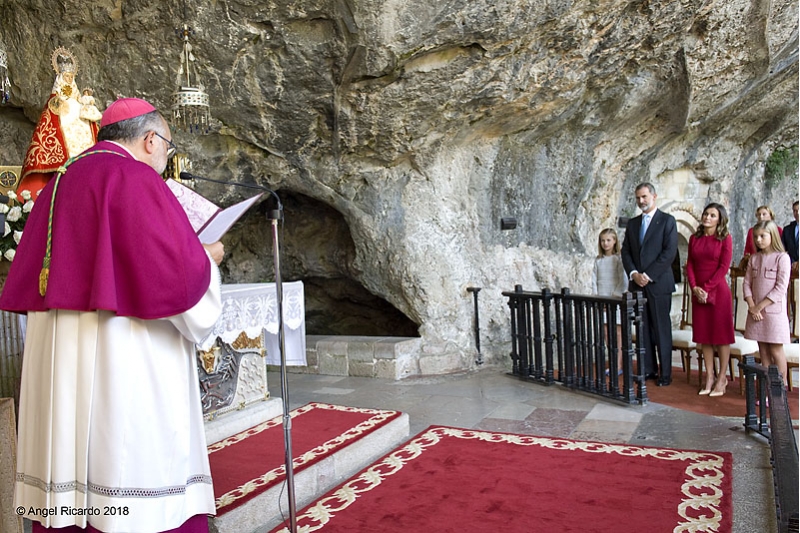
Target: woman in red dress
x=763, y=212
x=710, y=253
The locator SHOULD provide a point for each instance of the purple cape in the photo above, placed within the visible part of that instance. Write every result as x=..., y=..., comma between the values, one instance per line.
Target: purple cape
x=121, y=242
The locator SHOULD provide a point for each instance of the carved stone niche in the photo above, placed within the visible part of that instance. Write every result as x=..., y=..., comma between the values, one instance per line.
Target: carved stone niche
x=232, y=376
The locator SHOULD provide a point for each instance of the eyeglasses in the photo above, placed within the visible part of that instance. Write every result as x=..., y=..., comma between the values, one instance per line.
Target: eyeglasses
x=171, y=148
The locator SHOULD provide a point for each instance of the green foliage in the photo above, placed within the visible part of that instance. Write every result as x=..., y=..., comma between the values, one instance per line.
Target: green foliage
x=782, y=163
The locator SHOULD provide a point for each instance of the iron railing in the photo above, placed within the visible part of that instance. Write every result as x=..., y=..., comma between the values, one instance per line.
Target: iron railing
x=765, y=393
x=572, y=339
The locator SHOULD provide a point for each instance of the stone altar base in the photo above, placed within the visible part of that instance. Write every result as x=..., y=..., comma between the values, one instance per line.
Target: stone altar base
x=236, y=421
x=233, y=385
x=262, y=513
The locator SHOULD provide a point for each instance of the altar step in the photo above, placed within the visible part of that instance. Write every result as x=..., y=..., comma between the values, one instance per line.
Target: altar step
x=270, y=508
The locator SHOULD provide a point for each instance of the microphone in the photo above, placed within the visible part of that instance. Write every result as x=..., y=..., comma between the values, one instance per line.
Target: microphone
x=276, y=213
x=186, y=177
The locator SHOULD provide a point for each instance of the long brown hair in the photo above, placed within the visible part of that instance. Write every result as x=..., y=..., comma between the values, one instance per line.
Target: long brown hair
x=722, y=226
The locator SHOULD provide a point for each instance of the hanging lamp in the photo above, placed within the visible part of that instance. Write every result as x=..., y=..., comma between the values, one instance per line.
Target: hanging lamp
x=190, y=109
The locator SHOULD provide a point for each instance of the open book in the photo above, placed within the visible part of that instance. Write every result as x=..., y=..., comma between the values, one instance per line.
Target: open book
x=208, y=220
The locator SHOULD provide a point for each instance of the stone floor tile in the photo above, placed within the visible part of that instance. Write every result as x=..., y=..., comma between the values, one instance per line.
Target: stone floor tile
x=332, y=390
x=603, y=411
x=604, y=430
x=512, y=411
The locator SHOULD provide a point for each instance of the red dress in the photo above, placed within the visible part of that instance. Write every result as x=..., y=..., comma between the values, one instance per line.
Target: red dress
x=706, y=267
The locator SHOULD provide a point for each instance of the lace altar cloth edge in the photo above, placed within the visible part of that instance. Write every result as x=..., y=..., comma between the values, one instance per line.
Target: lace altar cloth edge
x=249, y=308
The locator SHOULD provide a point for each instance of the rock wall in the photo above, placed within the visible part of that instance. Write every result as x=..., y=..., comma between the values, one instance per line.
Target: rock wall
x=401, y=132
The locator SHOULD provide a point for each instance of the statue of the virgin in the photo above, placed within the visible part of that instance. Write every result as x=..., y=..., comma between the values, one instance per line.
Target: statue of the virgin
x=66, y=127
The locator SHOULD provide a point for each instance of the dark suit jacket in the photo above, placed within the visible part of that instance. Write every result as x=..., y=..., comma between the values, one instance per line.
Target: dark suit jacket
x=655, y=255
x=790, y=241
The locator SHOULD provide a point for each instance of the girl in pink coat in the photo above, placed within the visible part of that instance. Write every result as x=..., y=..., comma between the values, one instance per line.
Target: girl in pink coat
x=765, y=283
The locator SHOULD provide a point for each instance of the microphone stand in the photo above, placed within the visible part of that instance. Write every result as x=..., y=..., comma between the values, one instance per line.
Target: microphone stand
x=275, y=216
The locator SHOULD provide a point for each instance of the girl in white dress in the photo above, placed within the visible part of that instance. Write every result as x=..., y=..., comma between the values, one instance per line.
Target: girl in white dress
x=609, y=278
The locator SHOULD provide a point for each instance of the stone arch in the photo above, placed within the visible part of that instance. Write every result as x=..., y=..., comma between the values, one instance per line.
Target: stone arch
x=686, y=222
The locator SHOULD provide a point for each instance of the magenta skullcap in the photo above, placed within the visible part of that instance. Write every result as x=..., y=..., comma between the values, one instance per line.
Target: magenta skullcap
x=125, y=108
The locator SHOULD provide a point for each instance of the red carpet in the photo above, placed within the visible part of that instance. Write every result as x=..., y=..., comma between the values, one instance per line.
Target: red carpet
x=247, y=464
x=457, y=480
x=684, y=396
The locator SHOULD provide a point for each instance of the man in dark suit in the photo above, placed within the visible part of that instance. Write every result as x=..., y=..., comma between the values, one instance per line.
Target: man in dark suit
x=651, y=242
x=789, y=237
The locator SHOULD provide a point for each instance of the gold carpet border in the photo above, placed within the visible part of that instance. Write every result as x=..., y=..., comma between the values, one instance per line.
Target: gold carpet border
x=377, y=418
x=702, y=488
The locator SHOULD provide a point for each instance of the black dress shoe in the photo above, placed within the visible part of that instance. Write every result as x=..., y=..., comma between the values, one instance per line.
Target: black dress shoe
x=664, y=382
x=652, y=376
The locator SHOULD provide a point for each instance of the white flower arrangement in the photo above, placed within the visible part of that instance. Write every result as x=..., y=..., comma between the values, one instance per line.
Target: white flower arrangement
x=16, y=213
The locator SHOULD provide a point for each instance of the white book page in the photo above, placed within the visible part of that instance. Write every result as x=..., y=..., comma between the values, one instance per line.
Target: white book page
x=222, y=222
x=198, y=208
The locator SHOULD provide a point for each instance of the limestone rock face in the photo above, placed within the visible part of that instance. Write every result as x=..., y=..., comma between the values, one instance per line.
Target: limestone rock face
x=399, y=133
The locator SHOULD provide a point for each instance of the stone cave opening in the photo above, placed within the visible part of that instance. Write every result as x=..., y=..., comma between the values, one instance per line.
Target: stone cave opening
x=317, y=249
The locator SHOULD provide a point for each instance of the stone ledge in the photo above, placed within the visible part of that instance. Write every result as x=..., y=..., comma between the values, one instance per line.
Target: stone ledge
x=389, y=357
x=361, y=356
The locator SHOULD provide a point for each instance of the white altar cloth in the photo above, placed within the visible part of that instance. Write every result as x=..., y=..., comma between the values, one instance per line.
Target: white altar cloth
x=251, y=308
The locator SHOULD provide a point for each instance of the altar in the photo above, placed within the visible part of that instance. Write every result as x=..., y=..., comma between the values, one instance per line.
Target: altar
x=232, y=361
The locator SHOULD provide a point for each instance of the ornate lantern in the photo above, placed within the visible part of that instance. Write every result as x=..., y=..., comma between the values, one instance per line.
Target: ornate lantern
x=190, y=109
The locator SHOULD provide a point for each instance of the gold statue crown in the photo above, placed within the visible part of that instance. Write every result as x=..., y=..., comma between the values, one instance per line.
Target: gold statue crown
x=63, y=61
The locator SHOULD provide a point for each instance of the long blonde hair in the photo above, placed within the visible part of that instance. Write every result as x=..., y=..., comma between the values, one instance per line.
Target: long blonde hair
x=607, y=231
x=769, y=226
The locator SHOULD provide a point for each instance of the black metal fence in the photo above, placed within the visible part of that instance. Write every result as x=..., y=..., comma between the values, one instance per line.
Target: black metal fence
x=576, y=339
x=765, y=393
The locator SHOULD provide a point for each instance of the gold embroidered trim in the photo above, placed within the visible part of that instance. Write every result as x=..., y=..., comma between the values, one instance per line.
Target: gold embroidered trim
x=45, y=148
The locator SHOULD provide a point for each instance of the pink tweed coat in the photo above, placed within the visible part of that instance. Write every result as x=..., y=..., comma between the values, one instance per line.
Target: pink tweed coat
x=767, y=276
